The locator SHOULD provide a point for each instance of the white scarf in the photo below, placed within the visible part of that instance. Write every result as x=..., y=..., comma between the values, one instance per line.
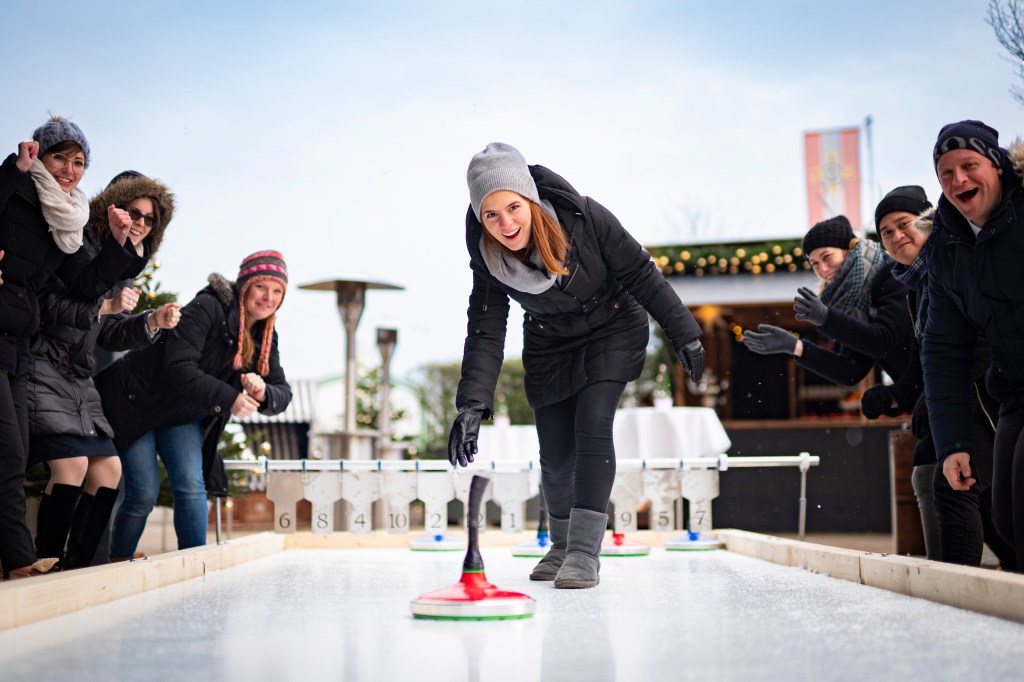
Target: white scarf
x=65, y=213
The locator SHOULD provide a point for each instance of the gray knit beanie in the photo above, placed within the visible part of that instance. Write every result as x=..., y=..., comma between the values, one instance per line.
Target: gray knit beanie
x=499, y=166
x=58, y=130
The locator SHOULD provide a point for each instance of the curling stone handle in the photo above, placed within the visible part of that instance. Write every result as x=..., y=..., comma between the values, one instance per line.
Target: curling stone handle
x=473, y=560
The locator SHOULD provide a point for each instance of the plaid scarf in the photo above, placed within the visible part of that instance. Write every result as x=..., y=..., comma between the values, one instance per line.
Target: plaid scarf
x=850, y=290
x=915, y=278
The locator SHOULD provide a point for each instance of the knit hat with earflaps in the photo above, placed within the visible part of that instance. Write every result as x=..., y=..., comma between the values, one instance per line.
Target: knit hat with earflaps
x=258, y=267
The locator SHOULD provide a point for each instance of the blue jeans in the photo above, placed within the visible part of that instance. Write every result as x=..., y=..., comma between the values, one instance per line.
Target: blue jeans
x=181, y=449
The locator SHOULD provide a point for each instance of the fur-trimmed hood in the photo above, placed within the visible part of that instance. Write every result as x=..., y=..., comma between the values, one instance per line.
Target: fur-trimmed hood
x=126, y=190
x=925, y=222
x=222, y=287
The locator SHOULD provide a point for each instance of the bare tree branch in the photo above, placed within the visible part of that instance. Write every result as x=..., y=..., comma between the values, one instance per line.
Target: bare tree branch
x=1004, y=16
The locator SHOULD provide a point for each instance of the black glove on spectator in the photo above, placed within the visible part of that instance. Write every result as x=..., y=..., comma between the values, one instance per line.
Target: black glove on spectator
x=919, y=422
x=877, y=401
x=464, y=433
x=694, y=358
x=809, y=307
x=770, y=339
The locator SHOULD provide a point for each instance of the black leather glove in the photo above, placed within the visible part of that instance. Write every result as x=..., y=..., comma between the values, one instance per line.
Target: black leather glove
x=809, y=307
x=770, y=339
x=919, y=421
x=464, y=433
x=877, y=401
x=694, y=359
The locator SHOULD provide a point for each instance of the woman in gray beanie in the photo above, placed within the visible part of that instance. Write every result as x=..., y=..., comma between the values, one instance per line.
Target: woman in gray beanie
x=586, y=286
x=42, y=218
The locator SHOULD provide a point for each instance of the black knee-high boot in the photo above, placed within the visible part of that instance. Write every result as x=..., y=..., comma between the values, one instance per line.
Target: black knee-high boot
x=91, y=519
x=54, y=521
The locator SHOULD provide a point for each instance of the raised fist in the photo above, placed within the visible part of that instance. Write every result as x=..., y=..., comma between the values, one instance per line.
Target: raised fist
x=166, y=316
x=125, y=301
x=28, y=152
x=120, y=223
x=254, y=385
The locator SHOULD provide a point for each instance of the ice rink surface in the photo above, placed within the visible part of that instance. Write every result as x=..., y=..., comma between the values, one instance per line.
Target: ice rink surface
x=344, y=615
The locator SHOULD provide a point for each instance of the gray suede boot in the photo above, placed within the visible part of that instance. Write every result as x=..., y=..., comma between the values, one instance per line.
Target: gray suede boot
x=581, y=566
x=552, y=561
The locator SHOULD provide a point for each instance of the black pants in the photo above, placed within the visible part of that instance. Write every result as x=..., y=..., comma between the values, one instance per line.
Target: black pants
x=16, y=547
x=1008, y=477
x=577, y=455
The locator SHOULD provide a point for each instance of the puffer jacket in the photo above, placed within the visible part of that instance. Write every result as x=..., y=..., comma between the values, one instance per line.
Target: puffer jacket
x=975, y=286
x=61, y=395
x=591, y=326
x=188, y=375
x=31, y=256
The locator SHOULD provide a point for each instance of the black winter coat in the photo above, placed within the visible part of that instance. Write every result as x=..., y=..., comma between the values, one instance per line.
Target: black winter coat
x=62, y=398
x=975, y=285
x=188, y=375
x=887, y=338
x=592, y=326
x=31, y=256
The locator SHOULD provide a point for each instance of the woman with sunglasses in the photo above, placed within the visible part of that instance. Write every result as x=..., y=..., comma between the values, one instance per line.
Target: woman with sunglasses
x=42, y=220
x=174, y=398
x=66, y=422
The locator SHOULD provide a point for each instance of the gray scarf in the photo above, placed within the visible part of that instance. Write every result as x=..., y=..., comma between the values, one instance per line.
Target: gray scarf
x=512, y=272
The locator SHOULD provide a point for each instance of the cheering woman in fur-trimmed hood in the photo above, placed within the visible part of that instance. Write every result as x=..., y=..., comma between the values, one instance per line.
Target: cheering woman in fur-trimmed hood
x=66, y=422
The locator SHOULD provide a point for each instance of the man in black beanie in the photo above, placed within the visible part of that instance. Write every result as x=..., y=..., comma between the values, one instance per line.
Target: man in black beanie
x=976, y=282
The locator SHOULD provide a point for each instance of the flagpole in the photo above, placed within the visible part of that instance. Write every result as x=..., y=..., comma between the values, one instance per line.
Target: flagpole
x=871, y=164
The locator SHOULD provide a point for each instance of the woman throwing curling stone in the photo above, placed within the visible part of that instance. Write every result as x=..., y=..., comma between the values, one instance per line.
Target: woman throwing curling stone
x=586, y=286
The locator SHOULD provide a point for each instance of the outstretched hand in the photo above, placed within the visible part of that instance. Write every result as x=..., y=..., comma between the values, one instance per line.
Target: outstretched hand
x=809, y=307
x=770, y=339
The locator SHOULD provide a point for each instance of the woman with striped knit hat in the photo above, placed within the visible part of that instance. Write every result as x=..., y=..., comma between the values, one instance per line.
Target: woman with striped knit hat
x=174, y=398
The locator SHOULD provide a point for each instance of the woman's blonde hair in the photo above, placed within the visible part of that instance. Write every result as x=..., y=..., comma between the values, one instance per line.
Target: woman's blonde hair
x=546, y=235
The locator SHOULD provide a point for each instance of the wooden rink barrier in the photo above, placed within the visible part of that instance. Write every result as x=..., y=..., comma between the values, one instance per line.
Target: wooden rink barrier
x=986, y=591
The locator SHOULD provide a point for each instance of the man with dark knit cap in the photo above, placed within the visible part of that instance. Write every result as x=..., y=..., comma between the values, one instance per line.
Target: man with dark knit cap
x=976, y=282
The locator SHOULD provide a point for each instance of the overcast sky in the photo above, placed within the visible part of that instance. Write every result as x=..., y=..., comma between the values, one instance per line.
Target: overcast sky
x=339, y=132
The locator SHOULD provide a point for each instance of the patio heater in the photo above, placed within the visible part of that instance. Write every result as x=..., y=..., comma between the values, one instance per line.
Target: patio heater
x=386, y=339
x=351, y=298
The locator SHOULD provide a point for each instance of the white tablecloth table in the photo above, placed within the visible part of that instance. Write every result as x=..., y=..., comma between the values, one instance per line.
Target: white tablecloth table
x=674, y=432
x=639, y=432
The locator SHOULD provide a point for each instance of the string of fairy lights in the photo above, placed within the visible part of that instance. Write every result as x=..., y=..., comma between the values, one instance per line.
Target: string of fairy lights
x=730, y=259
